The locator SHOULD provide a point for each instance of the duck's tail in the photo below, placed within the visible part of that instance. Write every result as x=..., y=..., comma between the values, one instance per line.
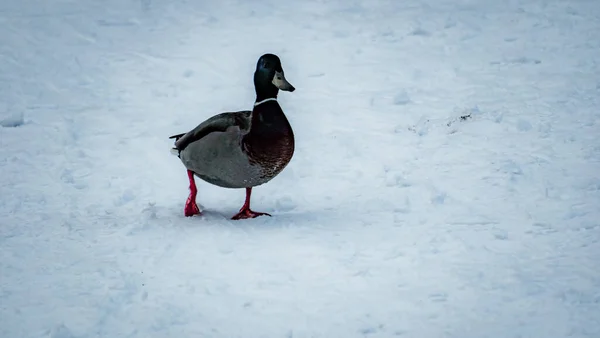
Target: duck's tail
x=177, y=137
x=174, y=150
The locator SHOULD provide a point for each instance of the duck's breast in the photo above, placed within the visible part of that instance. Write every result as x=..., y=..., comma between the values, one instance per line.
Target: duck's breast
x=271, y=152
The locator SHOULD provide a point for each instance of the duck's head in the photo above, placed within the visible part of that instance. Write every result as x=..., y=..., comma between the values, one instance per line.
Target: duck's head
x=269, y=77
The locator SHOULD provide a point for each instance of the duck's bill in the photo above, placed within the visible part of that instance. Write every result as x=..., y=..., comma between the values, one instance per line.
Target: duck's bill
x=280, y=82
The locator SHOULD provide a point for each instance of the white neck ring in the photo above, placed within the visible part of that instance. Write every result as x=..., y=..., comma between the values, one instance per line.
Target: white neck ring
x=265, y=100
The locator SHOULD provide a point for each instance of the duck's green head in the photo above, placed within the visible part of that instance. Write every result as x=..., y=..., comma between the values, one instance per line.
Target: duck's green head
x=269, y=77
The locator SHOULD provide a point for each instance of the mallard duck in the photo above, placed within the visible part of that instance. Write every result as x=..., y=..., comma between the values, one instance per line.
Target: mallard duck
x=242, y=149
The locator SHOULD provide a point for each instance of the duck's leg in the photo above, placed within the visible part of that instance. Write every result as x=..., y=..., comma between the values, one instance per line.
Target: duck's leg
x=245, y=211
x=191, y=208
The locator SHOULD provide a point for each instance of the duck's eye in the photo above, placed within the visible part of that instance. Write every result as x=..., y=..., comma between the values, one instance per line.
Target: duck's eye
x=279, y=78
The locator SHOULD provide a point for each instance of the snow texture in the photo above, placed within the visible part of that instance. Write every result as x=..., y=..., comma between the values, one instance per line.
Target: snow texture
x=446, y=181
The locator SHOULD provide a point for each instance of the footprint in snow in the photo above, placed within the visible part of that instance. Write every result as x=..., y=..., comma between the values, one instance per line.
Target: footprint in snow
x=13, y=120
x=420, y=32
x=401, y=98
x=523, y=125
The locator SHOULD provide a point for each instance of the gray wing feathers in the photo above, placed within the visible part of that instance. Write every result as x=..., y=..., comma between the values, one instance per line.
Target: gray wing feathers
x=219, y=122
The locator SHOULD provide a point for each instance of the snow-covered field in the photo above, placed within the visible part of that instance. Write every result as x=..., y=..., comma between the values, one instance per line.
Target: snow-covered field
x=396, y=217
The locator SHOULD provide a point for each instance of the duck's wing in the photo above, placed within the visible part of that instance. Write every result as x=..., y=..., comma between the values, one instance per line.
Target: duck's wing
x=220, y=122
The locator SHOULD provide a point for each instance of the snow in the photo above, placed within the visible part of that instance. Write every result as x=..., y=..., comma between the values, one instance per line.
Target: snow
x=446, y=181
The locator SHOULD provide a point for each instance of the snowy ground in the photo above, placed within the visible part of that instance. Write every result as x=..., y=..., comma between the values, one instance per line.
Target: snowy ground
x=395, y=218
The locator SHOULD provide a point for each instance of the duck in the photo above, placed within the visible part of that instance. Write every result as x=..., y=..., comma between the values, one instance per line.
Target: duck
x=241, y=149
